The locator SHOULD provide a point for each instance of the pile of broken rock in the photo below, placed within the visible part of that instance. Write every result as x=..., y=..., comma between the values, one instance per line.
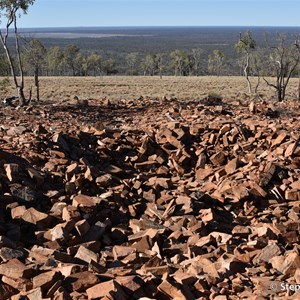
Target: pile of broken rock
x=149, y=200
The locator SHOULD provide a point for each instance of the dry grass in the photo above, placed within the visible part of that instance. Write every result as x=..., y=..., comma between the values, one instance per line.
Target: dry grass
x=63, y=89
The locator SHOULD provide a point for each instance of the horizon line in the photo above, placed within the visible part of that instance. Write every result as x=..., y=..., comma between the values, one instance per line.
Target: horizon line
x=161, y=26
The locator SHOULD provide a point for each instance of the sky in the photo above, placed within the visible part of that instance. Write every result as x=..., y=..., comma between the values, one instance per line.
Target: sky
x=81, y=13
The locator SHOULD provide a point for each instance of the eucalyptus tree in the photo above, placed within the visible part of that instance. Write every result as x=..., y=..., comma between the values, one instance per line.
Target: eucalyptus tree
x=94, y=63
x=132, y=61
x=245, y=45
x=216, y=62
x=70, y=58
x=160, y=57
x=258, y=66
x=179, y=61
x=149, y=64
x=109, y=66
x=55, y=61
x=35, y=58
x=80, y=65
x=197, y=56
x=10, y=10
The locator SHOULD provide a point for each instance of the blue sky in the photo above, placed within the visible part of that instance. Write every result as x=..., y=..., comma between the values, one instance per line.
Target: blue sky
x=70, y=13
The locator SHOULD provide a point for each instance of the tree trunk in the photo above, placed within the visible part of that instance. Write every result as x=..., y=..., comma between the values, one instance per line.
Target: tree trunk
x=257, y=84
x=246, y=69
x=21, y=85
x=196, y=69
x=37, y=84
x=283, y=92
x=22, y=99
x=280, y=96
x=299, y=85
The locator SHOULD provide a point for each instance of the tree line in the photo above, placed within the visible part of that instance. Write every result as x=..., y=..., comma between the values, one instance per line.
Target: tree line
x=73, y=61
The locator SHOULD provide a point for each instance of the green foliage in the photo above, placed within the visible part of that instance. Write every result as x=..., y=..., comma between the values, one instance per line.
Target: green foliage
x=54, y=60
x=197, y=54
x=12, y=6
x=80, y=64
x=70, y=53
x=245, y=43
x=94, y=64
x=35, y=55
x=180, y=62
x=216, y=62
x=132, y=61
x=109, y=67
x=149, y=64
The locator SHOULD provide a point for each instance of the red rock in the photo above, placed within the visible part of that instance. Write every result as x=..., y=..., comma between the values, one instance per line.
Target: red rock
x=80, y=282
x=15, y=269
x=82, y=227
x=46, y=280
x=120, y=252
x=110, y=289
x=85, y=201
x=218, y=159
x=86, y=255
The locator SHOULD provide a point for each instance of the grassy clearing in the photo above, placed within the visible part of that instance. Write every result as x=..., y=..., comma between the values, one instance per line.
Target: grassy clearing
x=63, y=89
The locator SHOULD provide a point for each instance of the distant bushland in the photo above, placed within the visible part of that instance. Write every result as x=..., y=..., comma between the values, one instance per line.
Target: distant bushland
x=178, y=51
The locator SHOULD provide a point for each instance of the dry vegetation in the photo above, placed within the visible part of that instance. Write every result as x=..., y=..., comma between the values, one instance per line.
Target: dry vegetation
x=61, y=89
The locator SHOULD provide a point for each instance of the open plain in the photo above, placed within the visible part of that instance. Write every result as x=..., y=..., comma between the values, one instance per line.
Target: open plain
x=63, y=89
x=149, y=188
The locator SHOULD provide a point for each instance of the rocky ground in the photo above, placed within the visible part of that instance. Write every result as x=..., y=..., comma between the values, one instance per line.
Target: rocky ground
x=150, y=199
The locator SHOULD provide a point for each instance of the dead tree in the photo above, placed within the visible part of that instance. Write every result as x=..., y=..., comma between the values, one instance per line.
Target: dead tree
x=284, y=61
